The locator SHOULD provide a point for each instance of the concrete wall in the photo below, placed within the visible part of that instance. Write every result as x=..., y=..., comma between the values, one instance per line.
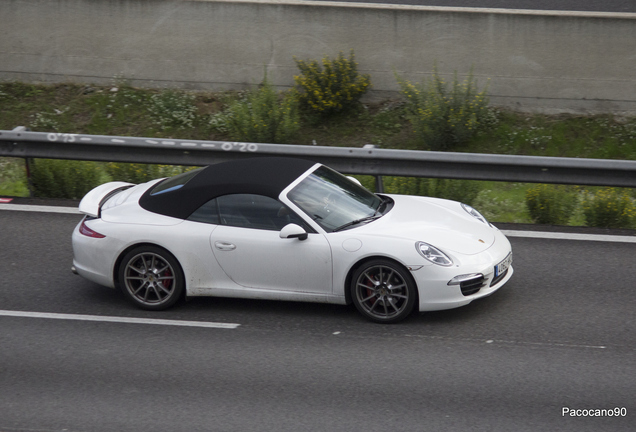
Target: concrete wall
x=540, y=61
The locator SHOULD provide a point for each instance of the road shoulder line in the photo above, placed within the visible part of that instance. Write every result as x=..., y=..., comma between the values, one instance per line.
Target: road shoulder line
x=115, y=319
x=569, y=236
x=40, y=208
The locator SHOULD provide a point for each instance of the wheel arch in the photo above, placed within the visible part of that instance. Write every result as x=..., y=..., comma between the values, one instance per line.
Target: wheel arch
x=124, y=252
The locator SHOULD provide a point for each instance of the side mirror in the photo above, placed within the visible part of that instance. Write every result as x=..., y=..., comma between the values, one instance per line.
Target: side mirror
x=293, y=231
x=355, y=180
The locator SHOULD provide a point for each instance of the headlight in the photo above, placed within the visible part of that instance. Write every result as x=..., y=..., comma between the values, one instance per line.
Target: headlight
x=433, y=254
x=474, y=213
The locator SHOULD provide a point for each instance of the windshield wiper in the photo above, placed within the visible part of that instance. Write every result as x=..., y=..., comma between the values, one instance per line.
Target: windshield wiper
x=358, y=221
x=382, y=205
x=377, y=214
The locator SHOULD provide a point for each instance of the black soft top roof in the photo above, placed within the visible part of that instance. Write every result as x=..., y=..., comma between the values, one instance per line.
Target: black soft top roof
x=261, y=175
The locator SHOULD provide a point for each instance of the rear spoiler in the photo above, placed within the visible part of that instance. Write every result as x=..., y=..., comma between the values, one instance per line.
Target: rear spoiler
x=92, y=202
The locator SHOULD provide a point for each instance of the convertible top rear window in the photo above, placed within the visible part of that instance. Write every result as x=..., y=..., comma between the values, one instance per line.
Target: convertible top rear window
x=174, y=183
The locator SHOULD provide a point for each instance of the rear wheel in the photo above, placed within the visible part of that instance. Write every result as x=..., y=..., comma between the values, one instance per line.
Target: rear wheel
x=151, y=278
x=383, y=291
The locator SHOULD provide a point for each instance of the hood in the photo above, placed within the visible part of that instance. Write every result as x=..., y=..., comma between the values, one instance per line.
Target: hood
x=441, y=223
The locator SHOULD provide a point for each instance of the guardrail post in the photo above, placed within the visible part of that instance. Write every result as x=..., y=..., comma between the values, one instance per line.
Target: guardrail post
x=379, y=183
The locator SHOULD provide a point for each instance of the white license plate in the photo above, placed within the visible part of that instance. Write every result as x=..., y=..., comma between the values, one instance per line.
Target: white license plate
x=503, y=265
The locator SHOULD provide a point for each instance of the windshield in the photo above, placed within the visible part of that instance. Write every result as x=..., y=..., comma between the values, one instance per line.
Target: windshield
x=334, y=201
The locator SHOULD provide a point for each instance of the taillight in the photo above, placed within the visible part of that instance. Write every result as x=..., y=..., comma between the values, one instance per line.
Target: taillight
x=83, y=229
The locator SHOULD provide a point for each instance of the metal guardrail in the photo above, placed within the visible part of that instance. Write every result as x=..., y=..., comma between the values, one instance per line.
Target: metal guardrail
x=368, y=160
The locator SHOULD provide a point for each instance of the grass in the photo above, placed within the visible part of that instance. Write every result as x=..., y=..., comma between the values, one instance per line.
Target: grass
x=12, y=177
x=600, y=137
x=126, y=111
x=503, y=202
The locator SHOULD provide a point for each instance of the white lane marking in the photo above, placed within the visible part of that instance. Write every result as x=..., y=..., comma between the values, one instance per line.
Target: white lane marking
x=40, y=209
x=508, y=233
x=114, y=319
x=569, y=236
x=552, y=344
x=512, y=342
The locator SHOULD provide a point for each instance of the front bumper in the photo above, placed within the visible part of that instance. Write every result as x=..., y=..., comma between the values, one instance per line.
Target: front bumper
x=435, y=292
x=450, y=296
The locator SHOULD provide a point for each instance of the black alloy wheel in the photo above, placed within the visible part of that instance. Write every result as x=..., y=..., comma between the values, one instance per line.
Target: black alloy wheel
x=151, y=278
x=383, y=291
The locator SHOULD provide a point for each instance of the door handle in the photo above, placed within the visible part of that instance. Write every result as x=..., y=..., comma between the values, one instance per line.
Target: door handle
x=224, y=246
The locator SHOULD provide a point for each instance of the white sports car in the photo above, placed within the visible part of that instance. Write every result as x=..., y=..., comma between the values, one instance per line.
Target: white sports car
x=287, y=229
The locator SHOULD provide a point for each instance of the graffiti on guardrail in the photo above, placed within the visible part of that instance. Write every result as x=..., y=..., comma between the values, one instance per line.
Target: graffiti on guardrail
x=226, y=146
x=239, y=146
x=63, y=137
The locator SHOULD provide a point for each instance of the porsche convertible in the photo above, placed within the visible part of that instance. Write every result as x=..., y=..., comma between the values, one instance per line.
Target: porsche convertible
x=287, y=229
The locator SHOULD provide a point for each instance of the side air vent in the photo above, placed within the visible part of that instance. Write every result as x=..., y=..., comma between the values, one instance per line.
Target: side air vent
x=471, y=286
x=469, y=283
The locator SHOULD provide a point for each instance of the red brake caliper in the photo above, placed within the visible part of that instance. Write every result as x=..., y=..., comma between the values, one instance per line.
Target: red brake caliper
x=168, y=282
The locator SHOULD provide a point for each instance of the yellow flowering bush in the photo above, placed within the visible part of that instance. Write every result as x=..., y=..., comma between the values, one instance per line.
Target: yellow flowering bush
x=330, y=86
x=551, y=204
x=443, y=115
x=609, y=208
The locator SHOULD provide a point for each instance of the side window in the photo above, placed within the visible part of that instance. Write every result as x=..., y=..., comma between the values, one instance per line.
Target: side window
x=255, y=211
x=207, y=213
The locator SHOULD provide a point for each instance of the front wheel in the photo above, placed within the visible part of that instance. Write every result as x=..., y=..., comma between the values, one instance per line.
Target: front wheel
x=383, y=291
x=151, y=278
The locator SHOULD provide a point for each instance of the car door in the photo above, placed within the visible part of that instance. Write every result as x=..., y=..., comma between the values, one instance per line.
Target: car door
x=247, y=245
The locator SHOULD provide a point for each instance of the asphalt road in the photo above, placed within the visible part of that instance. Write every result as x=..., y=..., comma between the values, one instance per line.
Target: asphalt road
x=563, y=5
x=560, y=335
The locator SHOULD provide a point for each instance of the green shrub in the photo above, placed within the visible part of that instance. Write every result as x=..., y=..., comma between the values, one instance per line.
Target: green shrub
x=330, y=86
x=609, y=208
x=550, y=204
x=405, y=185
x=443, y=115
x=53, y=178
x=501, y=206
x=262, y=115
x=465, y=191
x=140, y=173
x=457, y=190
